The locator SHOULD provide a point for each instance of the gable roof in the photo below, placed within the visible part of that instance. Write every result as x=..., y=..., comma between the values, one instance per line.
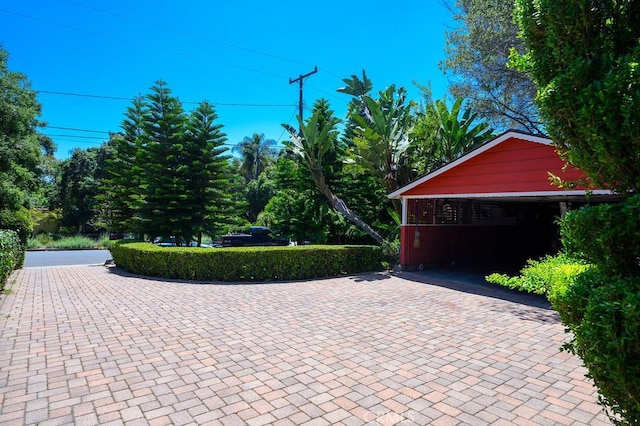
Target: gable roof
x=512, y=164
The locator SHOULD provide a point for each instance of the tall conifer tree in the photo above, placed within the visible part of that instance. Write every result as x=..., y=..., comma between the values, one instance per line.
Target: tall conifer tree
x=168, y=174
x=162, y=165
x=121, y=194
x=204, y=171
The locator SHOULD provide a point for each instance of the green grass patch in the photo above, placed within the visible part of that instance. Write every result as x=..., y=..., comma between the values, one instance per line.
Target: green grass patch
x=76, y=242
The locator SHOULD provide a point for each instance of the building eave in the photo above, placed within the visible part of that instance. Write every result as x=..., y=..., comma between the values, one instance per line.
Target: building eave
x=498, y=140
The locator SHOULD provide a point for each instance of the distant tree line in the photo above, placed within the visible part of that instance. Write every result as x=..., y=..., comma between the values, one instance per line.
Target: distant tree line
x=168, y=172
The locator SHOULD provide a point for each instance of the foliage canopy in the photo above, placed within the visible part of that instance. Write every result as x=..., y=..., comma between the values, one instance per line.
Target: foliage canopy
x=584, y=56
x=478, y=49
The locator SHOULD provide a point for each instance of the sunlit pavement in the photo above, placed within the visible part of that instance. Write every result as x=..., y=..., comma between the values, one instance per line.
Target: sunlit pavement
x=94, y=345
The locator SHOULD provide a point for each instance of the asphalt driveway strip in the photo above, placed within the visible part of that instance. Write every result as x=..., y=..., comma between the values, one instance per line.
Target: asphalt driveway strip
x=95, y=345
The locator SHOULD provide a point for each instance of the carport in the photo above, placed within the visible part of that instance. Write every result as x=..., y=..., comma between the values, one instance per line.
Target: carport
x=493, y=207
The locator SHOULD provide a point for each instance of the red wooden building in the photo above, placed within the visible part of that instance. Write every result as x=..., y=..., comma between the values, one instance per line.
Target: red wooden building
x=495, y=206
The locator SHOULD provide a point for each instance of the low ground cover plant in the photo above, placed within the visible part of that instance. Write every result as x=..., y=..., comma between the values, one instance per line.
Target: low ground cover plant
x=245, y=263
x=542, y=276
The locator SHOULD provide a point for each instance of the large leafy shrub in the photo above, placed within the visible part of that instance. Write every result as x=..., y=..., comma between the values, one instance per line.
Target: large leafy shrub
x=603, y=313
x=584, y=56
x=607, y=235
x=11, y=254
x=602, y=307
x=19, y=221
x=246, y=263
x=595, y=287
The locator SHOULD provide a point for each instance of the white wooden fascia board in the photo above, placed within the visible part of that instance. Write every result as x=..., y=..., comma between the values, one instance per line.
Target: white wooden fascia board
x=470, y=155
x=513, y=194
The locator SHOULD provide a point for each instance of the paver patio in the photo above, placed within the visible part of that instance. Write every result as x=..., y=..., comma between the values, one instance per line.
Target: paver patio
x=93, y=345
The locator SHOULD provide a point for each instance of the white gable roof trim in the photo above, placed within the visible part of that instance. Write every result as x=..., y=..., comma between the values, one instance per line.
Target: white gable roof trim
x=572, y=193
x=498, y=140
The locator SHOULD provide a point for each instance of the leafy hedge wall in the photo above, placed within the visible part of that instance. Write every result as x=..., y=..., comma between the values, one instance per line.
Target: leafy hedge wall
x=11, y=254
x=246, y=263
x=595, y=287
x=602, y=307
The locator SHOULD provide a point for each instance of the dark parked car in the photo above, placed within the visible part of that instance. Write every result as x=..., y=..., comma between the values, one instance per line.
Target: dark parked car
x=257, y=236
x=171, y=242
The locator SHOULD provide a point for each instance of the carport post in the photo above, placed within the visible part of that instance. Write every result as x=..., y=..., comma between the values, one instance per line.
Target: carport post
x=405, y=201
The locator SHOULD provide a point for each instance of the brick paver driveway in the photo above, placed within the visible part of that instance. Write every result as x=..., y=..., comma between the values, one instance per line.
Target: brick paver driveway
x=93, y=345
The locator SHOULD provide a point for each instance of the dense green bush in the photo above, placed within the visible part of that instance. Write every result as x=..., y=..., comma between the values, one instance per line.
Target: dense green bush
x=607, y=235
x=603, y=313
x=19, y=221
x=11, y=254
x=595, y=287
x=602, y=307
x=246, y=263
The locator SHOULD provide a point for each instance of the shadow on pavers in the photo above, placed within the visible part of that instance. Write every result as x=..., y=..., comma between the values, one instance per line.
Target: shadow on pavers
x=527, y=306
x=364, y=277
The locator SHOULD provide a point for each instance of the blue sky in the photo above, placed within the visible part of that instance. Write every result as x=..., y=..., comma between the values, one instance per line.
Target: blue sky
x=241, y=52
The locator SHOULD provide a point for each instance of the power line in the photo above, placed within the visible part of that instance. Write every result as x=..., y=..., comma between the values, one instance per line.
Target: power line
x=97, y=137
x=76, y=136
x=177, y=53
x=74, y=129
x=330, y=73
x=288, y=123
x=121, y=98
x=86, y=142
x=46, y=127
x=84, y=95
x=328, y=93
x=171, y=29
x=202, y=38
x=187, y=34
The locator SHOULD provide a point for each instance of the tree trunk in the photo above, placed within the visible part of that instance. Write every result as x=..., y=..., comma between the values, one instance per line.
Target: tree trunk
x=342, y=208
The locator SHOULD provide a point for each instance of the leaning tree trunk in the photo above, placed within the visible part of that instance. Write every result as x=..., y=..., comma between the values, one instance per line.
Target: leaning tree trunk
x=342, y=208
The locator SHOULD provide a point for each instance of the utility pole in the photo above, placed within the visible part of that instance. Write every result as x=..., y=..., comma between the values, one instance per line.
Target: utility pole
x=300, y=80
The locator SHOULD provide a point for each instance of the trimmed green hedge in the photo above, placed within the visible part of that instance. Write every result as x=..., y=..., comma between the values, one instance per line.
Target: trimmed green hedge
x=11, y=254
x=246, y=263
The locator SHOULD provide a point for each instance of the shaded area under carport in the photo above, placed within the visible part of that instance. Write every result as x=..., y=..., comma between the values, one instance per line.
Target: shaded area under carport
x=496, y=234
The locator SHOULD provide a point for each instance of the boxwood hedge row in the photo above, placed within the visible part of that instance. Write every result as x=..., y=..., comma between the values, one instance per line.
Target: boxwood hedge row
x=245, y=263
x=11, y=254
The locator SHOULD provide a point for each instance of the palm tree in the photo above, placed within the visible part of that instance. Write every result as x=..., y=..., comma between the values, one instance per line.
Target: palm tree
x=458, y=135
x=442, y=135
x=257, y=152
x=378, y=130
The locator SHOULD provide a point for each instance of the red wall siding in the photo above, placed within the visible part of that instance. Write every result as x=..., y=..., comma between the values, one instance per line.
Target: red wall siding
x=514, y=165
